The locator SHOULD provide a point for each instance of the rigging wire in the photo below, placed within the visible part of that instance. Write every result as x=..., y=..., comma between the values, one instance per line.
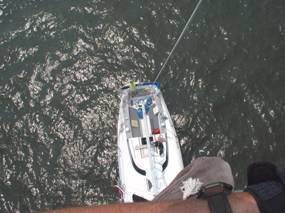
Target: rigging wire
x=179, y=38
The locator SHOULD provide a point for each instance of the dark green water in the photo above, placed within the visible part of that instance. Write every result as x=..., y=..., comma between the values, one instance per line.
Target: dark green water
x=62, y=61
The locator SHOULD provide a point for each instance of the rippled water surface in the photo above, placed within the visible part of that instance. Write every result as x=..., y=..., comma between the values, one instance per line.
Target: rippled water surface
x=62, y=61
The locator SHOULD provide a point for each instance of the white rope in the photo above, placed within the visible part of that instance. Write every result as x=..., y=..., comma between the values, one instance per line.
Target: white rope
x=180, y=37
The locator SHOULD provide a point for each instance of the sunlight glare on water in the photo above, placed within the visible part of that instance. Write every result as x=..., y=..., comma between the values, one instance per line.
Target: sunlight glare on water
x=61, y=63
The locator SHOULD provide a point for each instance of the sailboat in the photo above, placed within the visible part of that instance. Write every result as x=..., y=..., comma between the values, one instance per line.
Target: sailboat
x=149, y=154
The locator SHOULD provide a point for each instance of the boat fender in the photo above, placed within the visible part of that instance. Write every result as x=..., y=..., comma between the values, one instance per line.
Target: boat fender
x=140, y=113
x=148, y=104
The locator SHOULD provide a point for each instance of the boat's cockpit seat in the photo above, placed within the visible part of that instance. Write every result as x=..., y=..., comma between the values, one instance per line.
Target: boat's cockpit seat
x=135, y=123
x=137, y=113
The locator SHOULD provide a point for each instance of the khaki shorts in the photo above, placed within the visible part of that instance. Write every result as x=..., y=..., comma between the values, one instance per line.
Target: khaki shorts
x=204, y=169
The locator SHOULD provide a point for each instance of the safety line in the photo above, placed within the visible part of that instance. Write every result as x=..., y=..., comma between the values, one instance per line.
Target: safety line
x=178, y=40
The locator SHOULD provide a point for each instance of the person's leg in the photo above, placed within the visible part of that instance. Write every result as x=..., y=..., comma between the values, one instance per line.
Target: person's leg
x=205, y=169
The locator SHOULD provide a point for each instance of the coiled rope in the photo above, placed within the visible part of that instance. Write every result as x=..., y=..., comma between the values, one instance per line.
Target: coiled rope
x=179, y=38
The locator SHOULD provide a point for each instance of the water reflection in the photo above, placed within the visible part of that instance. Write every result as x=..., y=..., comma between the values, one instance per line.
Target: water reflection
x=61, y=63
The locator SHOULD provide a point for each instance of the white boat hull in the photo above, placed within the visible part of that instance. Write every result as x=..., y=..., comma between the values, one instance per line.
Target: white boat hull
x=149, y=153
